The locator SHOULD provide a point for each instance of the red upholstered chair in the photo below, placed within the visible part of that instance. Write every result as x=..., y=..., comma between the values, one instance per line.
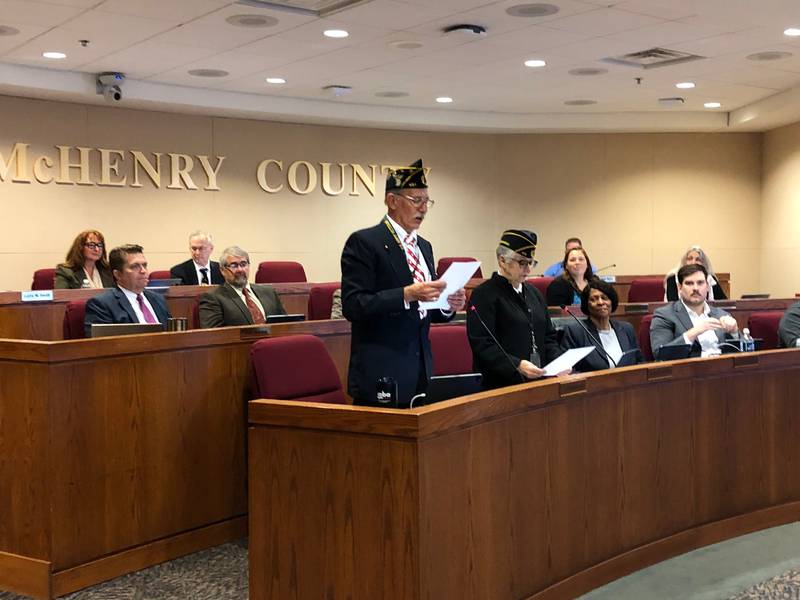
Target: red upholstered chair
x=160, y=275
x=73, y=320
x=44, y=279
x=277, y=271
x=320, y=300
x=446, y=261
x=452, y=354
x=764, y=325
x=644, y=338
x=541, y=283
x=278, y=376
x=646, y=289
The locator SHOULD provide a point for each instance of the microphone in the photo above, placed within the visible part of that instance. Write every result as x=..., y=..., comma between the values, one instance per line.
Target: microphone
x=474, y=309
x=598, y=344
x=611, y=266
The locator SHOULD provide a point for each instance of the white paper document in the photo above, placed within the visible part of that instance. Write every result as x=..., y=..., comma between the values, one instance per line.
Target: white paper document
x=456, y=276
x=567, y=360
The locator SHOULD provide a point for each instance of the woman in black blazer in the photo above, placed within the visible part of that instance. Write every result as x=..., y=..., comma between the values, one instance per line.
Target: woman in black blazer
x=694, y=255
x=617, y=338
x=86, y=265
x=566, y=289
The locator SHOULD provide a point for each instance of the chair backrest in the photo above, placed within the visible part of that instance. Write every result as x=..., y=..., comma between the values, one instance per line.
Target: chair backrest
x=74, y=315
x=195, y=324
x=446, y=261
x=275, y=365
x=320, y=300
x=452, y=354
x=646, y=289
x=764, y=325
x=277, y=271
x=541, y=283
x=160, y=275
x=644, y=338
x=44, y=279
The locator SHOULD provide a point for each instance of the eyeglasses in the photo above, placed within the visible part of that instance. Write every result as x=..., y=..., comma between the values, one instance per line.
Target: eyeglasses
x=237, y=265
x=94, y=245
x=417, y=202
x=525, y=263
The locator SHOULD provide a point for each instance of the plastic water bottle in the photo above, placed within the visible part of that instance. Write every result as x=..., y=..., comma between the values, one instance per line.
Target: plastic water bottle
x=746, y=342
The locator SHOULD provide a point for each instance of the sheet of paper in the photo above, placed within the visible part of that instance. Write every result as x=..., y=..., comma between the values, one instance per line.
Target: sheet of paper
x=456, y=276
x=567, y=360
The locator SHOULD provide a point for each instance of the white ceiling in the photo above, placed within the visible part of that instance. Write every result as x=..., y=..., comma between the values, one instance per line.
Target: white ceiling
x=156, y=42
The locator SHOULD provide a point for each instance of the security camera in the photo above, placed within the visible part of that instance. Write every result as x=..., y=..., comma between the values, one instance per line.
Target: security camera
x=109, y=84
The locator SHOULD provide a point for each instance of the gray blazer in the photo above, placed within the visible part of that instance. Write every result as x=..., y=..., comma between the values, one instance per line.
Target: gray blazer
x=789, y=328
x=670, y=322
x=223, y=307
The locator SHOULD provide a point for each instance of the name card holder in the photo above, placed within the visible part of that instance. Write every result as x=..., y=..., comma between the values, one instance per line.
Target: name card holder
x=37, y=296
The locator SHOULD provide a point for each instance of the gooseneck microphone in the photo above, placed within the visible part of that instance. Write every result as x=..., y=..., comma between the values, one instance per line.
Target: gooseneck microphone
x=597, y=342
x=611, y=266
x=474, y=309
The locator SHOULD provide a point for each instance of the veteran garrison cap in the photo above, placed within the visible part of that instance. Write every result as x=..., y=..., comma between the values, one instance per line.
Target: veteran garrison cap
x=407, y=177
x=520, y=241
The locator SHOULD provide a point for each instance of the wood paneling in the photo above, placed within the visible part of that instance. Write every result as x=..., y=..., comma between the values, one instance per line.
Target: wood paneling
x=543, y=490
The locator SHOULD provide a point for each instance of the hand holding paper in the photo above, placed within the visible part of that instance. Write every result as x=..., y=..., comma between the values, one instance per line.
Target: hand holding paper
x=455, y=278
x=567, y=360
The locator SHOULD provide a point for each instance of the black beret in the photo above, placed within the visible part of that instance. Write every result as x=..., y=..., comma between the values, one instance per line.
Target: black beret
x=407, y=177
x=520, y=241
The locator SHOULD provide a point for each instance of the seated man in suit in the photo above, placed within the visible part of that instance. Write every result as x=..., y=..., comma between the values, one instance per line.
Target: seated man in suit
x=128, y=302
x=236, y=302
x=690, y=320
x=198, y=270
x=789, y=328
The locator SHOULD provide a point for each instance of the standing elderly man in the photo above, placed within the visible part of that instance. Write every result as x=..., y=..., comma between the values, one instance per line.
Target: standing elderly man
x=198, y=270
x=387, y=270
x=690, y=320
x=237, y=302
x=128, y=302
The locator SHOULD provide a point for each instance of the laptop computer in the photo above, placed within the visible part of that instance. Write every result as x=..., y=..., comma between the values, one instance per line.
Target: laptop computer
x=445, y=387
x=272, y=319
x=108, y=329
x=673, y=352
x=158, y=283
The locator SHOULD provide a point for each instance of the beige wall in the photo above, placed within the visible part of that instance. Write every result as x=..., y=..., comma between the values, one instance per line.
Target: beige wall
x=780, y=227
x=636, y=200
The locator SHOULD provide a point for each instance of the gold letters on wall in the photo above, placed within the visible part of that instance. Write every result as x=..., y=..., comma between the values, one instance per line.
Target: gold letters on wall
x=78, y=165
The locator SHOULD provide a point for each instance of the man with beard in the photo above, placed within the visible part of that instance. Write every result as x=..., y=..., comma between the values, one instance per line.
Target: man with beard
x=237, y=302
x=690, y=320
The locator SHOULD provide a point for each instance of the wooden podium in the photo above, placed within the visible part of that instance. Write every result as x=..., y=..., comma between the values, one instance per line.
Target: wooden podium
x=542, y=490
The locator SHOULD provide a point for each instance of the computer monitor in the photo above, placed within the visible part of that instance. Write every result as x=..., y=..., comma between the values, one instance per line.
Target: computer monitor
x=272, y=319
x=674, y=352
x=157, y=283
x=445, y=387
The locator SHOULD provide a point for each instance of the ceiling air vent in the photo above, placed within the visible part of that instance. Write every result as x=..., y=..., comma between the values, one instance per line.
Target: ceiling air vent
x=314, y=8
x=653, y=58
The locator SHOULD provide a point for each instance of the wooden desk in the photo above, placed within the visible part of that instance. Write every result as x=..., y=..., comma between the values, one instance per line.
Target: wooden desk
x=120, y=453
x=538, y=491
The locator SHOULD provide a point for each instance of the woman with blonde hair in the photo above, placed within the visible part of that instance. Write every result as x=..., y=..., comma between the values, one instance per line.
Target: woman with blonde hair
x=694, y=255
x=86, y=265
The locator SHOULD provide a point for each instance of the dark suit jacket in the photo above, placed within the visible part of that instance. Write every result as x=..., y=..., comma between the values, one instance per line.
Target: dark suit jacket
x=72, y=279
x=672, y=321
x=223, y=307
x=387, y=339
x=672, y=289
x=188, y=275
x=113, y=307
x=576, y=337
x=560, y=292
x=789, y=328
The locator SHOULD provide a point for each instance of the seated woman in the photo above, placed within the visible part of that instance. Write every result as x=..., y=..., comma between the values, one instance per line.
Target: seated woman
x=86, y=265
x=566, y=289
x=598, y=300
x=694, y=255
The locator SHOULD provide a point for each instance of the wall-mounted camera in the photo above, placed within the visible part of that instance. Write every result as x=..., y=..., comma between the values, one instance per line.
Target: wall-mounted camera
x=109, y=85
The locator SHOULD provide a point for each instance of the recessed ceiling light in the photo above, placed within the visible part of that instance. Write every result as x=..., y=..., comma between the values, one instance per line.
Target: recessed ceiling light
x=405, y=44
x=444, y=99
x=532, y=10
x=587, y=71
x=712, y=105
x=335, y=33
x=8, y=30
x=768, y=55
x=54, y=55
x=252, y=21
x=535, y=62
x=580, y=102
x=792, y=32
x=208, y=73
x=276, y=80
x=684, y=85
x=392, y=94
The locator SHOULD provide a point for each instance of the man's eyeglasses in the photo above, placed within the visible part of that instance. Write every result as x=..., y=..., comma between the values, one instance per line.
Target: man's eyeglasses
x=94, y=245
x=525, y=263
x=237, y=265
x=417, y=202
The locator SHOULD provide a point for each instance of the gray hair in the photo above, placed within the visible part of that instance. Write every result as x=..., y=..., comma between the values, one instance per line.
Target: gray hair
x=202, y=234
x=505, y=252
x=231, y=251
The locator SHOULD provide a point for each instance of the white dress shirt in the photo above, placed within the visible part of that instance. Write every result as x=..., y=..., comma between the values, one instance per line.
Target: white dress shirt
x=608, y=337
x=709, y=343
x=199, y=274
x=253, y=297
x=131, y=296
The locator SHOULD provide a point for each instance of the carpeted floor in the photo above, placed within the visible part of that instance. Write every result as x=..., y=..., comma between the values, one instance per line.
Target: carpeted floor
x=783, y=587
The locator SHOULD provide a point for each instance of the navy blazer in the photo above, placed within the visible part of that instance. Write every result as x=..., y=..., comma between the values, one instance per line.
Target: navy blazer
x=113, y=307
x=188, y=274
x=576, y=337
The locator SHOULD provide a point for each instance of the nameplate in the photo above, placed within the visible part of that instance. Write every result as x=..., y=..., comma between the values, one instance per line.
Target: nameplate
x=608, y=278
x=639, y=308
x=37, y=296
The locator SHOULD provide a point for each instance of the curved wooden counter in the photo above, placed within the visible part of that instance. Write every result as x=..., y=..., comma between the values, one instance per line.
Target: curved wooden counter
x=542, y=490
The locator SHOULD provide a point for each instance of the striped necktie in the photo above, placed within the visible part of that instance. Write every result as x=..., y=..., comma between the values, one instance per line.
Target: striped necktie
x=412, y=258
